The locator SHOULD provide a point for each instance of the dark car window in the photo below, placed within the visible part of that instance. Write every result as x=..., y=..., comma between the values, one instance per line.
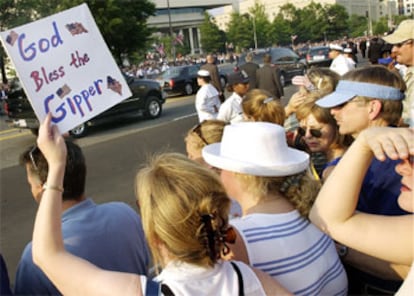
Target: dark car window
x=193, y=70
x=283, y=55
x=172, y=72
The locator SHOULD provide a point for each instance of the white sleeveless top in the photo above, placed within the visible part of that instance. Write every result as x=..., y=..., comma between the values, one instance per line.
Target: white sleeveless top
x=188, y=279
x=294, y=252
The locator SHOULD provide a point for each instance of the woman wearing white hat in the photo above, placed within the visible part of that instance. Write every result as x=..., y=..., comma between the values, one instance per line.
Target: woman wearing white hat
x=272, y=185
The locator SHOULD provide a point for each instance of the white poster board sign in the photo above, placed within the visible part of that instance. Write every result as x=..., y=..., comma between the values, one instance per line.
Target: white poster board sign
x=65, y=67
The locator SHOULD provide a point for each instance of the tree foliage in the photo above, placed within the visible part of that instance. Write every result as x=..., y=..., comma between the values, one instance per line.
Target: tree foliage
x=260, y=25
x=314, y=22
x=240, y=30
x=211, y=38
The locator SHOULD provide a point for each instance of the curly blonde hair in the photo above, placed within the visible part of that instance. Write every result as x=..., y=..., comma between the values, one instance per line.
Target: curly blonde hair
x=299, y=189
x=174, y=194
x=205, y=133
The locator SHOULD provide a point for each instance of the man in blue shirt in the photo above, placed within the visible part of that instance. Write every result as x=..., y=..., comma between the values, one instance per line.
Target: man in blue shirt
x=366, y=97
x=108, y=235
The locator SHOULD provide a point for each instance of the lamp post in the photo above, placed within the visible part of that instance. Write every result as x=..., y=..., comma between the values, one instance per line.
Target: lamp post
x=254, y=32
x=171, y=31
x=369, y=19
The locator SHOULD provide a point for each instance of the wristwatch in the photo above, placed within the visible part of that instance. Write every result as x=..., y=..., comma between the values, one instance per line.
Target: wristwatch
x=342, y=251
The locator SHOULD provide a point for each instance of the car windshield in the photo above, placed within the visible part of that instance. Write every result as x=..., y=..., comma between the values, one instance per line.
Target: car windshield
x=173, y=72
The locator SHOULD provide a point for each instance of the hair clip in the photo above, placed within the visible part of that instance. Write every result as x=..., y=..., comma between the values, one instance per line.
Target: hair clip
x=266, y=101
x=320, y=82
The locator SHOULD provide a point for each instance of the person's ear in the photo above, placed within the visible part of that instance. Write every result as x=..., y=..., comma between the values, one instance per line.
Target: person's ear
x=374, y=109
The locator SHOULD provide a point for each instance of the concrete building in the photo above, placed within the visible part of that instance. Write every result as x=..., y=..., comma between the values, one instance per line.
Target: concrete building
x=182, y=18
x=374, y=8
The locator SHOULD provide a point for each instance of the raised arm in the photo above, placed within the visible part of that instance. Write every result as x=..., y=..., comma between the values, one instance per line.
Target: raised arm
x=386, y=237
x=71, y=275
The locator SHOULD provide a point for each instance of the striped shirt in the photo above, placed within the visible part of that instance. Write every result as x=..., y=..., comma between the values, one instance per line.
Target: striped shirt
x=294, y=252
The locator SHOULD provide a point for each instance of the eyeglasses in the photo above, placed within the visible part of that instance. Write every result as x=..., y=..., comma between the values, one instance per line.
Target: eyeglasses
x=197, y=130
x=401, y=44
x=317, y=133
x=32, y=151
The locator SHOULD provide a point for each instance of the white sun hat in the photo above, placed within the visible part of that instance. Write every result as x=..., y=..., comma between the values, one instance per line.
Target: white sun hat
x=256, y=148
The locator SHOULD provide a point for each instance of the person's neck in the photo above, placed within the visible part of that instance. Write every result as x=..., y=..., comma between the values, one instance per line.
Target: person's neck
x=335, y=153
x=270, y=204
x=67, y=204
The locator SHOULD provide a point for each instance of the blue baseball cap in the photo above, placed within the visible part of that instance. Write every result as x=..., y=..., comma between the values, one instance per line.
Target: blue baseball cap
x=347, y=90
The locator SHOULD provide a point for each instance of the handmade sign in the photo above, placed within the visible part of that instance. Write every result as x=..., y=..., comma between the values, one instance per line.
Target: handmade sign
x=65, y=67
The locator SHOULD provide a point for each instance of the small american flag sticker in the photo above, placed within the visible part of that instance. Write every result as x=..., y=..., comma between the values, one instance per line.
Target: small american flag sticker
x=63, y=91
x=76, y=28
x=12, y=37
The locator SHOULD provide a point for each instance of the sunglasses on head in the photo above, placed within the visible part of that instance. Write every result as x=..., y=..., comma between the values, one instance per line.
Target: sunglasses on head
x=317, y=133
x=32, y=159
x=197, y=130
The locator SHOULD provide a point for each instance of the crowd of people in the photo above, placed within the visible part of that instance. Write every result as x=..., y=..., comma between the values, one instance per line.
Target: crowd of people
x=312, y=198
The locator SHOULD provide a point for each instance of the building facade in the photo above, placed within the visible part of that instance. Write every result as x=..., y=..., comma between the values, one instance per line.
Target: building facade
x=373, y=9
x=182, y=18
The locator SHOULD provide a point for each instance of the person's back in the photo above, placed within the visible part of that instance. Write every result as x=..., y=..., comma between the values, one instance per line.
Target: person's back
x=293, y=251
x=109, y=235
x=250, y=68
x=271, y=183
x=268, y=78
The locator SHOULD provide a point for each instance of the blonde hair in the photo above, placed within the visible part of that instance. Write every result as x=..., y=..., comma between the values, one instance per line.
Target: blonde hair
x=299, y=189
x=205, y=133
x=174, y=194
x=391, y=110
x=260, y=105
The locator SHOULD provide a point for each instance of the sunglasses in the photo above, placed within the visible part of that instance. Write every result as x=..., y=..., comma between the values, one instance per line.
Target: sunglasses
x=32, y=159
x=197, y=130
x=316, y=133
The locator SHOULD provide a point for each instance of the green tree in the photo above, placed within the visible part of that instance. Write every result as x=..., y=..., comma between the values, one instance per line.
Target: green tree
x=337, y=19
x=260, y=24
x=211, y=37
x=358, y=25
x=123, y=23
x=281, y=31
x=381, y=26
x=240, y=30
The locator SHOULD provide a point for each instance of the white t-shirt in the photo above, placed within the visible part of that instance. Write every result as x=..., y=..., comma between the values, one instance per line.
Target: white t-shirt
x=188, y=279
x=341, y=65
x=294, y=252
x=231, y=110
x=207, y=102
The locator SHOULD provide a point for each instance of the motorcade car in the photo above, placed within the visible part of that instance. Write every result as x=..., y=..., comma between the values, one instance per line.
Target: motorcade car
x=224, y=70
x=179, y=80
x=318, y=56
x=146, y=101
x=284, y=58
